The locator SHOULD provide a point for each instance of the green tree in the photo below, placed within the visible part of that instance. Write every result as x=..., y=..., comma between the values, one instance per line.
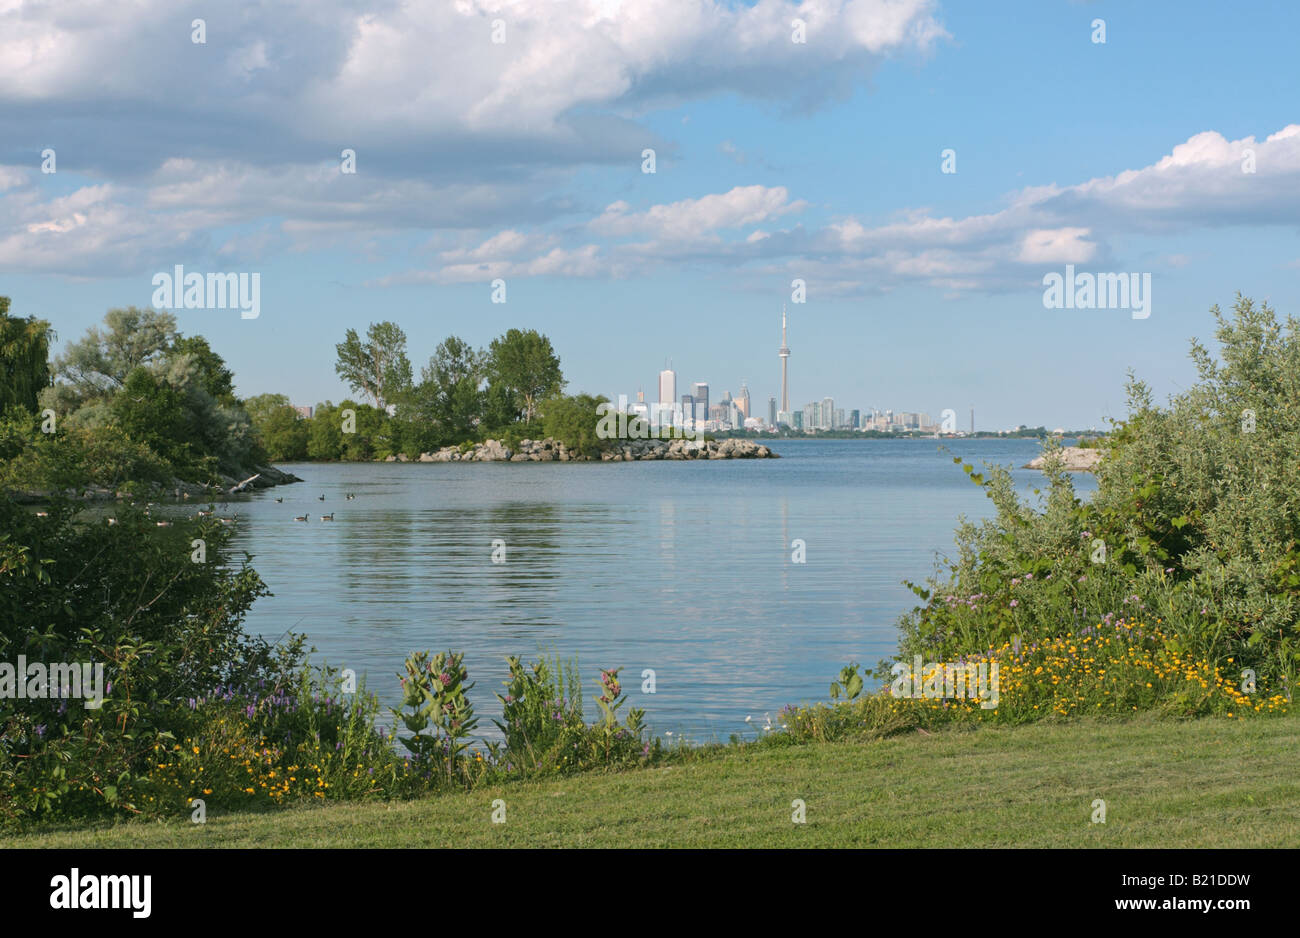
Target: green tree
x=325, y=433
x=24, y=352
x=377, y=367
x=278, y=427
x=100, y=361
x=449, y=399
x=572, y=420
x=523, y=369
x=148, y=410
x=214, y=377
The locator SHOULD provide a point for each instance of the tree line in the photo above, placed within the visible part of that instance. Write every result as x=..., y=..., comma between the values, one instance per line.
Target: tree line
x=508, y=390
x=134, y=401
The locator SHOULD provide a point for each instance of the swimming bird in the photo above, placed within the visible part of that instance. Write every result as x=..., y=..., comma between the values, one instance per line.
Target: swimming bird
x=205, y=514
x=329, y=517
x=42, y=514
x=280, y=499
x=163, y=524
x=322, y=498
x=351, y=496
x=299, y=517
x=226, y=520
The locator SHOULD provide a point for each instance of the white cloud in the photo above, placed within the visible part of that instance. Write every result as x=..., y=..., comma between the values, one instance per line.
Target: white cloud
x=690, y=219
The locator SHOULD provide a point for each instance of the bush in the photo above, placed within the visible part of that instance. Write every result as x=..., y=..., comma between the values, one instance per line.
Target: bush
x=1194, y=525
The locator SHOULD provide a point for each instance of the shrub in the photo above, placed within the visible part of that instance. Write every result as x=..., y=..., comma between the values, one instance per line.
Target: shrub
x=1194, y=523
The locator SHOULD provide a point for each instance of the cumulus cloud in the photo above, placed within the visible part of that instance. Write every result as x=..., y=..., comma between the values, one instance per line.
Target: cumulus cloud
x=419, y=84
x=1199, y=184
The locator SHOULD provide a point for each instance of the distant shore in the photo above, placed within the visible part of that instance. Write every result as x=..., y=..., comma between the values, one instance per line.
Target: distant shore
x=549, y=450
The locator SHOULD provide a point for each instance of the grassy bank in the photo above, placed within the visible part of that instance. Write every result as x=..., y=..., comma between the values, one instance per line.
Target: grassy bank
x=1197, y=783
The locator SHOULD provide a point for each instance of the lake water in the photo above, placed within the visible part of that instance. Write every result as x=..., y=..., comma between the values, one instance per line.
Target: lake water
x=681, y=567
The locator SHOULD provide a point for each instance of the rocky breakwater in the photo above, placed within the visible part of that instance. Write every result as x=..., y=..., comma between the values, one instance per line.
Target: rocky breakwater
x=1073, y=459
x=549, y=450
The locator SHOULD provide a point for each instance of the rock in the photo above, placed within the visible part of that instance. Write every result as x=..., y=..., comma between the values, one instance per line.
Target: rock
x=1073, y=459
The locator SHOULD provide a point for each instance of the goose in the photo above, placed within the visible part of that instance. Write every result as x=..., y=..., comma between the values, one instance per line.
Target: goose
x=299, y=517
x=329, y=517
x=280, y=499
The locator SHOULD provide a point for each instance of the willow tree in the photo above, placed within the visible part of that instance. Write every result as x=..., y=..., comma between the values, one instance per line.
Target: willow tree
x=24, y=358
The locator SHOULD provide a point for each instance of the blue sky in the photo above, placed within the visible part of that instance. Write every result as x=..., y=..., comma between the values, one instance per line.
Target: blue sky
x=775, y=160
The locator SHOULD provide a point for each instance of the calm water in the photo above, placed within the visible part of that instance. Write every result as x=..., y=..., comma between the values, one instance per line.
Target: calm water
x=682, y=567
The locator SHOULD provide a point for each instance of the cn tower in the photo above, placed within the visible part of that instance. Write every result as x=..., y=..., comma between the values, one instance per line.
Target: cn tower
x=784, y=352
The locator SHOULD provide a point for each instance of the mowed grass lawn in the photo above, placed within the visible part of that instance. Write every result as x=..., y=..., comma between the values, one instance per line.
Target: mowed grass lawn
x=1203, y=783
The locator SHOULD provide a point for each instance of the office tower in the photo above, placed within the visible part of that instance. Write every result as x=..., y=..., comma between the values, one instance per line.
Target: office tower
x=700, y=391
x=796, y=420
x=667, y=387
x=855, y=420
x=688, y=410
x=784, y=352
x=828, y=413
x=771, y=411
x=742, y=401
x=812, y=419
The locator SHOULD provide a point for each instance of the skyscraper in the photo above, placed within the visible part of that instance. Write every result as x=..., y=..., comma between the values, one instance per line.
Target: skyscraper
x=700, y=391
x=667, y=388
x=771, y=411
x=784, y=352
x=742, y=399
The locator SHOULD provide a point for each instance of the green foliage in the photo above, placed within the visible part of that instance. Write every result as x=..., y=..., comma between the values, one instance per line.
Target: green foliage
x=447, y=406
x=1195, y=524
x=849, y=684
x=153, y=412
x=522, y=369
x=377, y=367
x=100, y=362
x=281, y=432
x=24, y=350
x=214, y=377
x=75, y=588
x=572, y=420
x=434, y=695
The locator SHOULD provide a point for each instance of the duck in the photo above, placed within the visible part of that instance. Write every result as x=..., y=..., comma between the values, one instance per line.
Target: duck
x=226, y=520
x=112, y=521
x=329, y=517
x=205, y=514
x=163, y=524
x=299, y=517
x=351, y=496
x=322, y=498
x=280, y=499
x=42, y=514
